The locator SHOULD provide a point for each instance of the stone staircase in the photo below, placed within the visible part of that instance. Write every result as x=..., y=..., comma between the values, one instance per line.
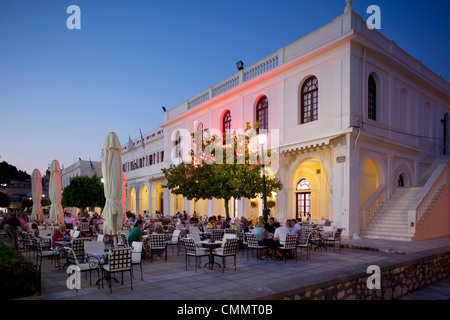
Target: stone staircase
x=390, y=222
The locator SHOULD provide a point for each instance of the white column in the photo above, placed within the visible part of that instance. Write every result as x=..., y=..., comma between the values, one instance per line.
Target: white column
x=166, y=208
x=211, y=207
x=187, y=205
x=241, y=208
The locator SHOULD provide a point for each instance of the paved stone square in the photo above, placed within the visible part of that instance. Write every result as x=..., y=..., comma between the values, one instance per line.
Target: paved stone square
x=252, y=280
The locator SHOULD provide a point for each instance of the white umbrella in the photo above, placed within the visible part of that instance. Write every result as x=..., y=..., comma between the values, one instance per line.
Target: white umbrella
x=112, y=175
x=124, y=194
x=36, y=191
x=56, y=210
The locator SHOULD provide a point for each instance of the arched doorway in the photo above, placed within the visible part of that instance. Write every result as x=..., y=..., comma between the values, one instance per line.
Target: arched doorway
x=132, y=200
x=372, y=179
x=158, y=200
x=401, y=181
x=143, y=199
x=310, y=190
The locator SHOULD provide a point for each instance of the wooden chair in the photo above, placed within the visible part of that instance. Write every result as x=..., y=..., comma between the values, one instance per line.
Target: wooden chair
x=252, y=243
x=119, y=260
x=307, y=245
x=231, y=231
x=158, y=242
x=217, y=234
x=335, y=238
x=290, y=244
x=228, y=250
x=78, y=248
x=193, y=251
x=84, y=228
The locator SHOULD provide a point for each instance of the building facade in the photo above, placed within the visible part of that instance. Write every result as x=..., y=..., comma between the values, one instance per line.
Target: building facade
x=354, y=120
x=78, y=169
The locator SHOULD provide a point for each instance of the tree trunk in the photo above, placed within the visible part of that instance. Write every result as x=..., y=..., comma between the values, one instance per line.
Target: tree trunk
x=227, y=210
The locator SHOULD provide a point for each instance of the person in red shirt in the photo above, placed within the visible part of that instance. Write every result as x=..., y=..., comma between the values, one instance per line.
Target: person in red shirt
x=59, y=235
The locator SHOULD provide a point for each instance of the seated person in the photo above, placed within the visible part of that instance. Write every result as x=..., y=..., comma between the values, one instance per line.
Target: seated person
x=270, y=225
x=62, y=234
x=261, y=235
x=280, y=236
x=296, y=228
x=136, y=232
x=227, y=223
x=194, y=219
x=211, y=224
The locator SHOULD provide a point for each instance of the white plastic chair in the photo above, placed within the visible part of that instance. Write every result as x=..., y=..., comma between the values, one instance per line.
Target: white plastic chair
x=136, y=254
x=174, y=241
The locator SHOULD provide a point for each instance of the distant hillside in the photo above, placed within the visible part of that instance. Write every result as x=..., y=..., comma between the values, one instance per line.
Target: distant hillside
x=9, y=172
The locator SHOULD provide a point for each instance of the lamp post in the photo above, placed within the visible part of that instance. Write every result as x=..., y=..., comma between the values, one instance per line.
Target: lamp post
x=262, y=141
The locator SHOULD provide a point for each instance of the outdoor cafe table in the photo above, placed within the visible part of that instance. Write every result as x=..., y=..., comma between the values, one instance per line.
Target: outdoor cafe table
x=211, y=246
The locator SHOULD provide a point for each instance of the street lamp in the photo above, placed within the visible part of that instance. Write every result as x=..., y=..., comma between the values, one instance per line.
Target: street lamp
x=262, y=138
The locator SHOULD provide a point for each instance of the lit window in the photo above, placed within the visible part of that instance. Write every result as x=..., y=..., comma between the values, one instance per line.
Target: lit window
x=262, y=114
x=310, y=101
x=304, y=184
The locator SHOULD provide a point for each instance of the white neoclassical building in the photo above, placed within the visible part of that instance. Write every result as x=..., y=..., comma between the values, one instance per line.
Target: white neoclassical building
x=78, y=169
x=360, y=130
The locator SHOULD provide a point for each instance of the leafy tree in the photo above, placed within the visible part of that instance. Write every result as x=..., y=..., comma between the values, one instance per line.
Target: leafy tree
x=4, y=200
x=26, y=203
x=221, y=171
x=45, y=202
x=83, y=192
x=8, y=172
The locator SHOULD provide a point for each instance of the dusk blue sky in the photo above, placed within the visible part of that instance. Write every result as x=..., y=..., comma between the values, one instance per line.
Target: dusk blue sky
x=62, y=91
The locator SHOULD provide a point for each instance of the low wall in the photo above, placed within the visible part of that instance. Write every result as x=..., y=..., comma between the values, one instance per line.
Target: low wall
x=437, y=221
x=399, y=276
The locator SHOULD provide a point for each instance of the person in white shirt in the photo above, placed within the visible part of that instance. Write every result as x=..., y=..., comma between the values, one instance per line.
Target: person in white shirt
x=280, y=236
x=281, y=232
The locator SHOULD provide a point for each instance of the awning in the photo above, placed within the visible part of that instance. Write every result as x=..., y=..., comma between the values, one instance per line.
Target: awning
x=308, y=144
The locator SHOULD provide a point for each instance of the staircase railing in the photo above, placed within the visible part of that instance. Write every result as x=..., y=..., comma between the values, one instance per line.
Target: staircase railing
x=372, y=204
x=425, y=198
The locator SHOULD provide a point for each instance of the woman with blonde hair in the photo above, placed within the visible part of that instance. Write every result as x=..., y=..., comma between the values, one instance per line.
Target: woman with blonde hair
x=261, y=235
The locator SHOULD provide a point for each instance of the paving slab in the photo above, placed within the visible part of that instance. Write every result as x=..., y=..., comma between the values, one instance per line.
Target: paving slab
x=252, y=279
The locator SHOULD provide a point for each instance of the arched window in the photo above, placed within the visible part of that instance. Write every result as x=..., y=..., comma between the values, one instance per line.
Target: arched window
x=372, y=95
x=177, y=145
x=197, y=139
x=303, y=185
x=226, y=125
x=309, y=110
x=226, y=122
x=262, y=114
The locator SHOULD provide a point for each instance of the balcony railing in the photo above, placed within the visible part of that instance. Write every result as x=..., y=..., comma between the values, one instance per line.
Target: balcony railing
x=225, y=86
x=261, y=68
x=234, y=81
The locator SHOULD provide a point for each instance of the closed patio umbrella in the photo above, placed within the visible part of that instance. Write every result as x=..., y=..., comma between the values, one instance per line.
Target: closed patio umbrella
x=56, y=210
x=36, y=191
x=112, y=175
x=124, y=194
